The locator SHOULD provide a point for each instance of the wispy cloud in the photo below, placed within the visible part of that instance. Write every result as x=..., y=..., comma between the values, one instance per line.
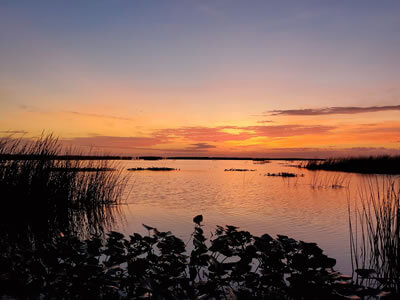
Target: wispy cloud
x=204, y=134
x=219, y=134
x=201, y=146
x=14, y=131
x=331, y=110
x=115, y=142
x=288, y=130
x=265, y=121
x=98, y=115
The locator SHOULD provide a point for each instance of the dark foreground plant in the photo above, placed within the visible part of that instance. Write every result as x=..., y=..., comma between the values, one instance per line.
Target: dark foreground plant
x=233, y=264
x=375, y=233
x=43, y=195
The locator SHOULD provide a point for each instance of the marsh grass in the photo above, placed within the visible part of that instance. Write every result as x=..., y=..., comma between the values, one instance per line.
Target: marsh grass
x=383, y=164
x=40, y=194
x=374, y=222
x=323, y=180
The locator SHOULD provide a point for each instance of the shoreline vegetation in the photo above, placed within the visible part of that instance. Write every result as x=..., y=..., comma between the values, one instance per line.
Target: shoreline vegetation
x=231, y=264
x=19, y=156
x=42, y=197
x=366, y=165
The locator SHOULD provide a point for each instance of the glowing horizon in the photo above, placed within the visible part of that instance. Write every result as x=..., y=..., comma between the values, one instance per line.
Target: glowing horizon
x=226, y=78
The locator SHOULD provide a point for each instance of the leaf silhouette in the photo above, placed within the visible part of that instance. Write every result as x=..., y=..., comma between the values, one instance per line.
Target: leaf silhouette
x=198, y=219
x=147, y=227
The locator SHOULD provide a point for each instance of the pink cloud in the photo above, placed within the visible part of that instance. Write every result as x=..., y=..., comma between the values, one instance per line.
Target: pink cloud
x=216, y=134
x=204, y=134
x=288, y=130
x=331, y=110
x=115, y=141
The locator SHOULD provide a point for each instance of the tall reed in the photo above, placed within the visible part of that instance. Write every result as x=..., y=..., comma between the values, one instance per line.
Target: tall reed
x=39, y=193
x=375, y=230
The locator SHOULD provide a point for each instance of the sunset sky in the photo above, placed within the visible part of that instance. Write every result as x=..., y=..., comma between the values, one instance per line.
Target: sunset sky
x=204, y=78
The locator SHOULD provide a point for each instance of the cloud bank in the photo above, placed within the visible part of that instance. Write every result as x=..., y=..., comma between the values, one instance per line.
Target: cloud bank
x=331, y=110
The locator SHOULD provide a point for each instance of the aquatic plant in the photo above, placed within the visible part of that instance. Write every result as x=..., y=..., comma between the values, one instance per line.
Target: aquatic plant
x=322, y=180
x=153, y=169
x=374, y=222
x=232, y=264
x=44, y=195
x=239, y=170
x=283, y=174
x=369, y=165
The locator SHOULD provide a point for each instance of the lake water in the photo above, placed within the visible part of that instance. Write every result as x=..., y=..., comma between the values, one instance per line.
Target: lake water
x=302, y=207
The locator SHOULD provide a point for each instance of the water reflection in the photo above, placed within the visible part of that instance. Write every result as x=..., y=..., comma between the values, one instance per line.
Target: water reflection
x=250, y=200
x=42, y=222
x=311, y=207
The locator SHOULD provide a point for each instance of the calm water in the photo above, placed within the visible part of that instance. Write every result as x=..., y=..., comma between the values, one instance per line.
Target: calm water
x=250, y=200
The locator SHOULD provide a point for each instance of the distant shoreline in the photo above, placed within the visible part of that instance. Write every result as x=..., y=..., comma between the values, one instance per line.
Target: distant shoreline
x=110, y=157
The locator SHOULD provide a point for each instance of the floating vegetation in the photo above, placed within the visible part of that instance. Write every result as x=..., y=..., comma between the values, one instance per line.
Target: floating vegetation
x=368, y=165
x=153, y=169
x=240, y=170
x=261, y=161
x=233, y=264
x=334, y=181
x=284, y=174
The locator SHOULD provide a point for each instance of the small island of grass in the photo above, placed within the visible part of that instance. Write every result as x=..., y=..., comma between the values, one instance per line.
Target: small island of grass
x=366, y=165
x=239, y=170
x=153, y=169
x=283, y=174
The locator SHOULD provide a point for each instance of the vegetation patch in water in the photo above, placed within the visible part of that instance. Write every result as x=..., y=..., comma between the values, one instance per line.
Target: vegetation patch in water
x=239, y=170
x=367, y=165
x=283, y=174
x=153, y=169
x=261, y=161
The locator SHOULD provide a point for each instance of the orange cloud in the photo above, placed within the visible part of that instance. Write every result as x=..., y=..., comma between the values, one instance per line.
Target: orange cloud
x=331, y=110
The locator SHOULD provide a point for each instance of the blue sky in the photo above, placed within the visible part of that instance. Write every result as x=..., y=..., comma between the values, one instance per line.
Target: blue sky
x=193, y=63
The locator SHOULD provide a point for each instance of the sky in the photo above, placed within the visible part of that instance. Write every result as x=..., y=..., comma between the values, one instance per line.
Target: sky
x=204, y=78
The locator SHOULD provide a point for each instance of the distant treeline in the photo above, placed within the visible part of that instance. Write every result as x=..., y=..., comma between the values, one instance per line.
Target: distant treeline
x=238, y=158
x=367, y=165
x=112, y=157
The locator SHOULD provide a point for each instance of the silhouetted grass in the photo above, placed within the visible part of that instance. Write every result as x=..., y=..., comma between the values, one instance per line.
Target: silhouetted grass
x=329, y=180
x=153, y=169
x=283, y=174
x=239, y=170
x=368, y=165
x=48, y=196
x=375, y=233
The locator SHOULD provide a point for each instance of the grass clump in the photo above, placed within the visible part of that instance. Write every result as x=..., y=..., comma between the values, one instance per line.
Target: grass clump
x=283, y=174
x=369, y=165
x=153, y=169
x=46, y=195
x=375, y=233
x=239, y=170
